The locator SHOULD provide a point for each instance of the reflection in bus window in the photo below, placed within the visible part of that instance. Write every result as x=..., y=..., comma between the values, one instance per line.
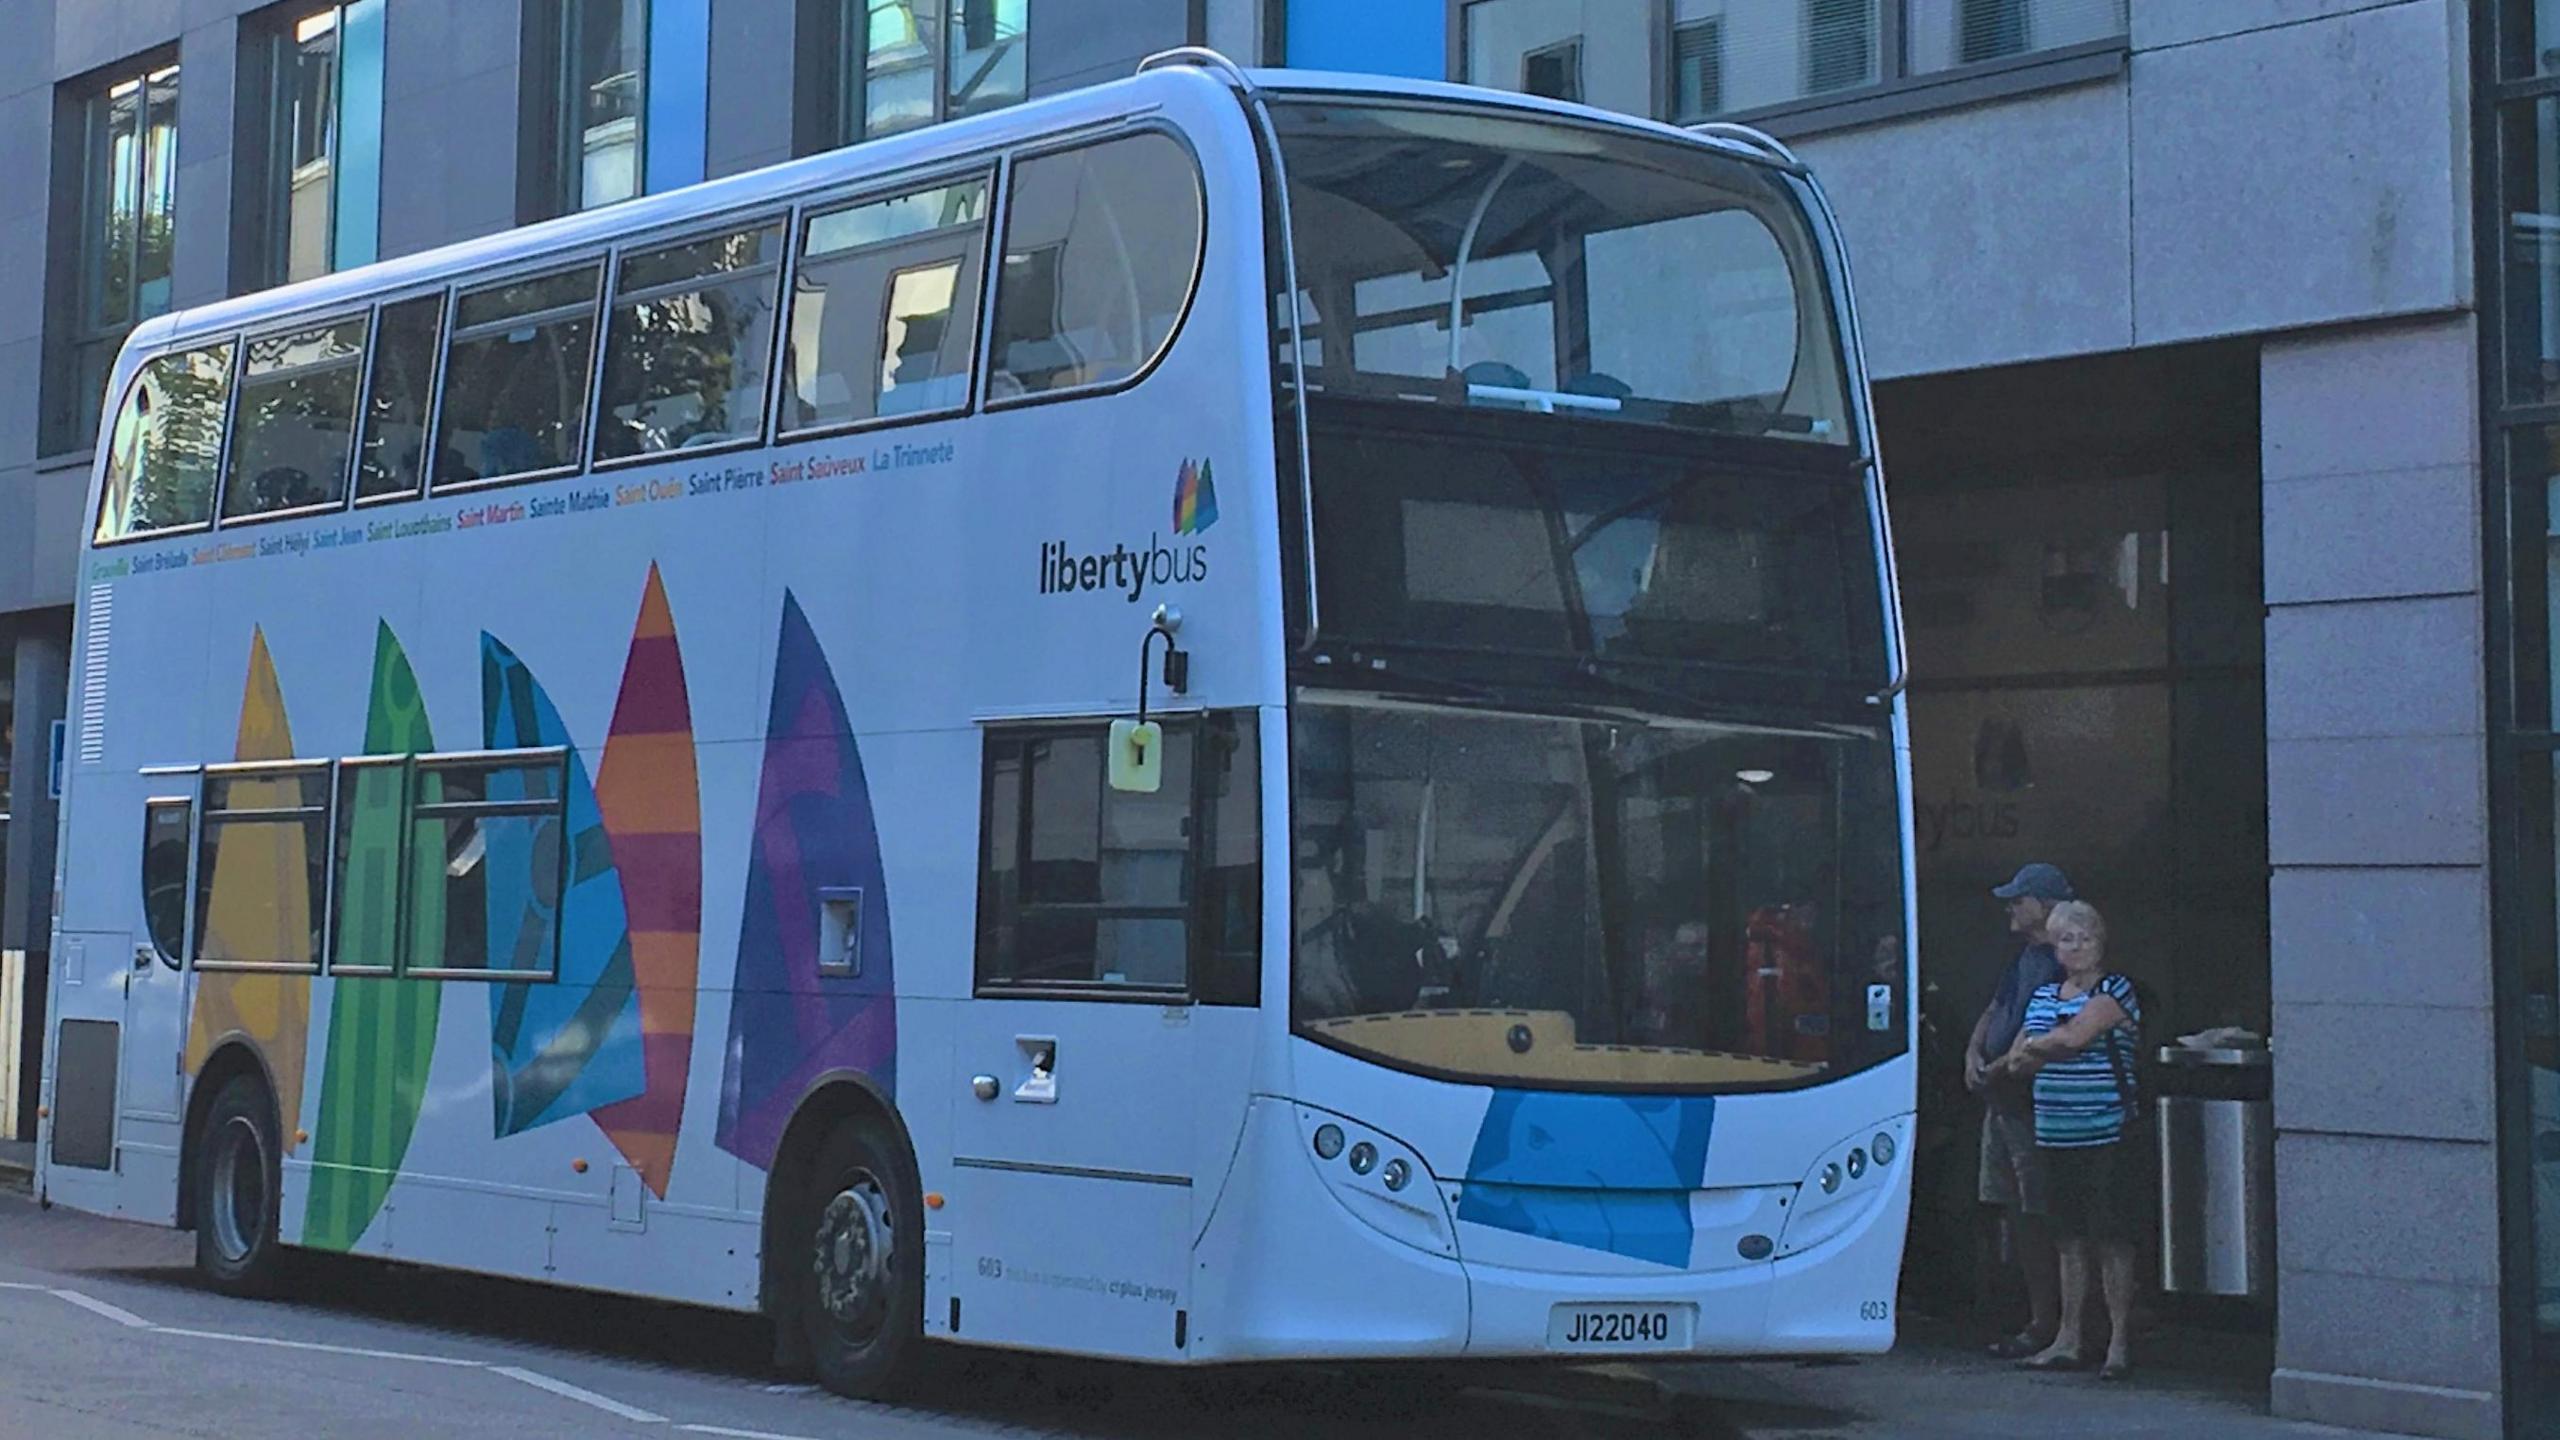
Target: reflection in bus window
x=1101, y=247
x=161, y=455
x=692, y=333
x=912, y=338
x=515, y=383
x=294, y=428
x=395, y=420
x=884, y=308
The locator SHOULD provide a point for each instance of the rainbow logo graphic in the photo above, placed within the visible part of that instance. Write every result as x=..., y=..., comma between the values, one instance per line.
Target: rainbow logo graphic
x=1195, y=499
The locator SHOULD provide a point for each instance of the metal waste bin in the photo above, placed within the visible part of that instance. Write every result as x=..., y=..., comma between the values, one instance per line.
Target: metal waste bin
x=2216, y=1122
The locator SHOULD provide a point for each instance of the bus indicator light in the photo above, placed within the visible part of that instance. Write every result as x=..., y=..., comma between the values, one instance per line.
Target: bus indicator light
x=1328, y=1141
x=1364, y=1158
x=1398, y=1174
x=1882, y=1148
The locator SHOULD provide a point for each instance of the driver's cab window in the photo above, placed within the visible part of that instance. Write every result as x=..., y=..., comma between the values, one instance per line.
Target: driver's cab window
x=1086, y=888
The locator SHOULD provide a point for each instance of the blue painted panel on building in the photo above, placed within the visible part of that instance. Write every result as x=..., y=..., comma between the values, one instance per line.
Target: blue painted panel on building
x=1379, y=37
x=678, y=107
x=360, y=136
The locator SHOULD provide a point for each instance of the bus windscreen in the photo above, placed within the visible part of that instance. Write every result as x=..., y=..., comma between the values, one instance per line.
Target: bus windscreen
x=1521, y=899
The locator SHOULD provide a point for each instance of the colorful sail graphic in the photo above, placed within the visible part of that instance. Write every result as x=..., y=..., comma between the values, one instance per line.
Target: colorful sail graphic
x=382, y=1031
x=815, y=840
x=1195, y=498
x=259, y=908
x=572, y=1046
x=651, y=797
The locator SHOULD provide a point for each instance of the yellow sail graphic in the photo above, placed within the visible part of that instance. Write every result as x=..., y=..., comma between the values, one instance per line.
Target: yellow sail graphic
x=259, y=909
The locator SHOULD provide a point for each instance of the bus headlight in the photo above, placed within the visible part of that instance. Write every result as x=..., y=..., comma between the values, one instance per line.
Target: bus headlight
x=1382, y=1181
x=1843, y=1185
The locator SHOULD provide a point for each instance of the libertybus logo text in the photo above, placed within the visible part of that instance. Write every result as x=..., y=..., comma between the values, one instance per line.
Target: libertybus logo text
x=1064, y=572
x=1195, y=509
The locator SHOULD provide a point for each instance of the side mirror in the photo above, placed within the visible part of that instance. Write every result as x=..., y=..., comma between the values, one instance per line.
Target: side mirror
x=1137, y=756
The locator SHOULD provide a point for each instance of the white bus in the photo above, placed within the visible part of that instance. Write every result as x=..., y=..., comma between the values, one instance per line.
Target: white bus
x=611, y=753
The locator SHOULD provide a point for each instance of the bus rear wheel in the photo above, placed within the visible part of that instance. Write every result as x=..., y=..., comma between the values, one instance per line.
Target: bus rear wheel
x=237, y=1175
x=860, y=1264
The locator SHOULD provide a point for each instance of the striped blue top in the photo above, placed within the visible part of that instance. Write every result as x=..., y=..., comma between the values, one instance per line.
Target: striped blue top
x=2078, y=1101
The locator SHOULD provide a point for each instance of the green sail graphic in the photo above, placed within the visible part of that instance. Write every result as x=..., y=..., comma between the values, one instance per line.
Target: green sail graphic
x=382, y=1031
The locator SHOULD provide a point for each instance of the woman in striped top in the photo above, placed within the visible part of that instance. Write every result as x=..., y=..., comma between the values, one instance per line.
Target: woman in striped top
x=2079, y=1044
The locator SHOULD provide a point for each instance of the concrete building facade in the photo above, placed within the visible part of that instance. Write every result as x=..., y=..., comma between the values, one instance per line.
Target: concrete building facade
x=2215, y=359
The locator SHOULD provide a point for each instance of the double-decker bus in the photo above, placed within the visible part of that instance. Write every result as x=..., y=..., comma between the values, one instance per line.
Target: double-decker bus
x=1230, y=716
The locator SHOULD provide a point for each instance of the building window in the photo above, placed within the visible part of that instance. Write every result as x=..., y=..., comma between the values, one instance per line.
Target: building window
x=127, y=129
x=1839, y=44
x=1724, y=57
x=905, y=64
x=603, y=48
x=303, y=56
x=1945, y=34
x=1697, y=70
x=1555, y=72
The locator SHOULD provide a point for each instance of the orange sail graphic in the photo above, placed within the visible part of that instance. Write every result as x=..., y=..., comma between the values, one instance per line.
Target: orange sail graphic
x=260, y=908
x=647, y=787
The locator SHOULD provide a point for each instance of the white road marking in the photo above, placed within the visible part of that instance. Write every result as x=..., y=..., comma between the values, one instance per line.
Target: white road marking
x=536, y=1379
x=567, y=1391
x=323, y=1349
x=117, y=1313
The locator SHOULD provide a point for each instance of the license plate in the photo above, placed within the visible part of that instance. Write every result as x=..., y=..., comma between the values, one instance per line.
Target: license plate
x=1620, y=1327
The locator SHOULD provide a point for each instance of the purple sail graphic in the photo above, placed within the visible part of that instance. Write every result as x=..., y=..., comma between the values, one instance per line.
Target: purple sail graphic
x=815, y=842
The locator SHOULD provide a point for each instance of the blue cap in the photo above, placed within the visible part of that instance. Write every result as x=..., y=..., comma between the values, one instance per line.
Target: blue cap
x=2044, y=882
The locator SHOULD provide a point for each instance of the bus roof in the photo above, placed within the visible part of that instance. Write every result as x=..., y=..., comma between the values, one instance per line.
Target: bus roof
x=919, y=151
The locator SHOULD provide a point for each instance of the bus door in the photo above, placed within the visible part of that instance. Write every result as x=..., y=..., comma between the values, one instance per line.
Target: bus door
x=1102, y=1065
x=155, y=989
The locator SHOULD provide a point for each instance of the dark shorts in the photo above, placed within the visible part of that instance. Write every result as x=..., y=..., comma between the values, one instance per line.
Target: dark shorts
x=2012, y=1174
x=2093, y=1190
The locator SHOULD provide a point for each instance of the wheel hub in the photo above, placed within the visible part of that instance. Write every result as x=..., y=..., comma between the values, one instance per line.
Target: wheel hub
x=854, y=1241
x=239, y=1189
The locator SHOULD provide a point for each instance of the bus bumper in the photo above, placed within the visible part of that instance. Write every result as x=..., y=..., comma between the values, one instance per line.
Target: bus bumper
x=1295, y=1264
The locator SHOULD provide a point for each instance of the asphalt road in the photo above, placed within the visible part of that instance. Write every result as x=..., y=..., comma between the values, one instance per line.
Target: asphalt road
x=105, y=1333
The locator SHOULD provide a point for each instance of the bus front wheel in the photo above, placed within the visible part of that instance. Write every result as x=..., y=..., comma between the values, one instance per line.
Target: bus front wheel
x=237, y=1171
x=860, y=1270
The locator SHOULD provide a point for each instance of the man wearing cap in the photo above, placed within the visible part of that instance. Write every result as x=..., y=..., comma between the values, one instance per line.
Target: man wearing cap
x=2012, y=1174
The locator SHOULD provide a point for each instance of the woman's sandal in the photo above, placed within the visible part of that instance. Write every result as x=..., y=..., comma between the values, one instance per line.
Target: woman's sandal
x=2116, y=1370
x=2049, y=1361
x=2016, y=1347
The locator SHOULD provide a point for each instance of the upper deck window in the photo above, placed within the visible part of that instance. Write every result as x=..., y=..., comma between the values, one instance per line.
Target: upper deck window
x=692, y=337
x=515, y=377
x=163, y=453
x=296, y=424
x=392, y=460
x=1101, y=248
x=884, y=308
x=1474, y=259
